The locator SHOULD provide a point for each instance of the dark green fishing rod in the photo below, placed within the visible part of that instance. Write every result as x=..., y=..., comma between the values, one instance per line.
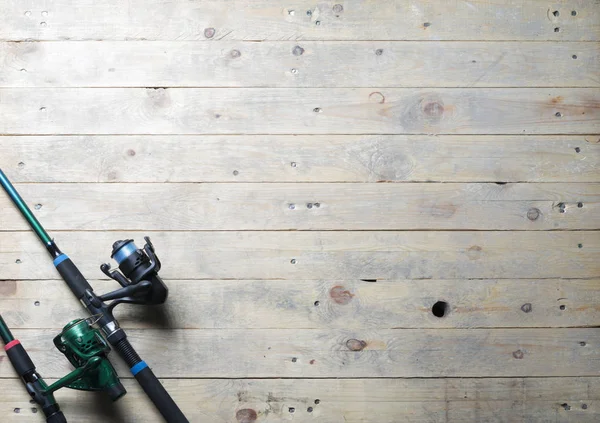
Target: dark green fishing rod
x=140, y=284
x=27, y=371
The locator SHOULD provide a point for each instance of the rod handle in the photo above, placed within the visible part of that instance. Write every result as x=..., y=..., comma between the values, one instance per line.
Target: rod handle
x=72, y=276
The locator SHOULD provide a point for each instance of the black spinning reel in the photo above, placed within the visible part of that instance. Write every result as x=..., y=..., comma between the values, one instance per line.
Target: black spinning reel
x=138, y=275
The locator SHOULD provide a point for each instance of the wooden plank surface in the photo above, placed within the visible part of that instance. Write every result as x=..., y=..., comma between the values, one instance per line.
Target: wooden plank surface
x=299, y=64
x=323, y=304
x=325, y=255
x=299, y=111
x=308, y=206
x=300, y=19
x=369, y=353
x=349, y=400
x=306, y=158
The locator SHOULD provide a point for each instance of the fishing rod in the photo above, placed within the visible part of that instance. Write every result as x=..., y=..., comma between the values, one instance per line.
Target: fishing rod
x=140, y=284
x=86, y=350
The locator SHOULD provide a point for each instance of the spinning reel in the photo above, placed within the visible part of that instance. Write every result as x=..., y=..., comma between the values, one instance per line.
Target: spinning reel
x=138, y=275
x=87, y=351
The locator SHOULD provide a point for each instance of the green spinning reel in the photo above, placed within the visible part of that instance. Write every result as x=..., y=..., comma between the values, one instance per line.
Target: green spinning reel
x=87, y=351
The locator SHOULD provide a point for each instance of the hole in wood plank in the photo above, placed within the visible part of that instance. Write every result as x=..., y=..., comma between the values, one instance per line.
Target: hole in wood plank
x=565, y=406
x=37, y=206
x=294, y=359
x=291, y=409
x=21, y=165
x=317, y=303
x=379, y=51
x=440, y=309
x=579, y=205
x=369, y=280
x=37, y=303
x=584, y=406
x=579, y=245
x=577, y=149
x=573, y=13
x=310, y=409
x=556, y=13
x=18, y=261
x=317, y=401
x=583, y=343
x=574, y=56
x=557, y=29
x=16, y=410
x=563, y=307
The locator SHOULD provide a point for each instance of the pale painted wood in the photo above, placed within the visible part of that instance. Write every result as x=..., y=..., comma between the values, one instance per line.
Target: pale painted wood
x=349, y=400
x=417, y=206
x=322, y=304
x=299, y=111
x=307, y=158
x=299, y=64
x=190, y=353
x=323, y=255
x=299, y=19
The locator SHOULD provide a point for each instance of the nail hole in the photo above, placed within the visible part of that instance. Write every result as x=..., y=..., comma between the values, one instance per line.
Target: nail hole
x=556, y=13
x=42, y=109
x=582, y=343
x=369, y=280
x=574, y=56
x=16, y=410
x=309, y=13
x=317, y=110
x=293, y=261
x=209, y=32
x=427, y=24
x=21, y=165
x=294, y=360
x=236, y=173
x=42, y=23
x=584, y=406
x=235, y=54
x=37, y=303
x=563, y=307
x=317, y=303
x=293, y=164
x=37, y=206
x=294, y=71
x=379, y=51
x=565, y=406
x=291, y=409
x=297, y=51
x=439, y=309
x=23, y=70
x=292, y=206
x=557, y=29
x=34, y=410
x=317, y=205
x=558, y=114
x=579, y=245
x=527, y=307
x=561, y=207
x=318, y=23
x=577, y=149
x=309, y=206
x=580, y=205
x=573, y=13
x=18, y=261
x=317, y=401
x=310, y=409
x=291, y=12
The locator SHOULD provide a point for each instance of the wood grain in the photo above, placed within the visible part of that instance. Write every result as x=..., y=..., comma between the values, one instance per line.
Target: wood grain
x=323, y=304
x=344, y=352
x=299, y=111
x=350, y=400
x=324, y=255
x=306, y=158
x=308, y=206
x=299, y=64
x=300, y=19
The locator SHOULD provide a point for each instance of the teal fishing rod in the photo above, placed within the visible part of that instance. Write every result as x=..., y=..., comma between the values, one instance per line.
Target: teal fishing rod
x=137, y=274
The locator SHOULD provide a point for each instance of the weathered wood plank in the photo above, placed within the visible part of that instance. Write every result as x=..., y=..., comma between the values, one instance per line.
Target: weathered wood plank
x=323, y=304
x=350, y=400
x=307, y=158
x=299, y=111
x=344, y=352
x=308, y=206
x=299, y=19
x=325, y=255
x=299, y=64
